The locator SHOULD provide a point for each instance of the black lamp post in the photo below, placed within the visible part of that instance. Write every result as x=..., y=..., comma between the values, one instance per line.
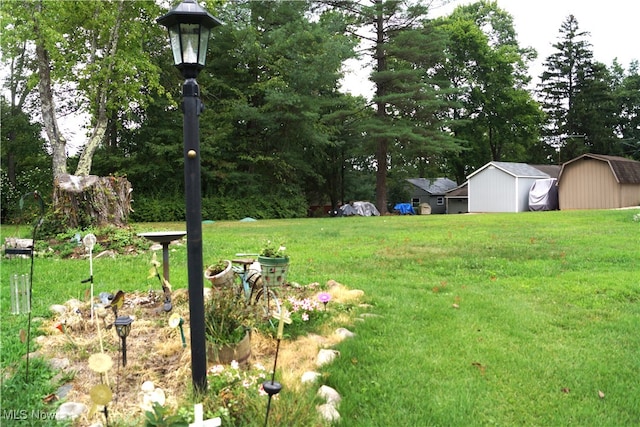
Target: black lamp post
x=189, y=26
x=123, y=327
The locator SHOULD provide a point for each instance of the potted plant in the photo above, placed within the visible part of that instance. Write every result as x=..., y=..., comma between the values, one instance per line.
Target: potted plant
x=228, y=322
x=220, y=274
x=274, y=263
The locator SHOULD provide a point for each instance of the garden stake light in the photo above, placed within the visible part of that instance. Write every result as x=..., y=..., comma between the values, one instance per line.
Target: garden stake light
x=89, y=242
x=123, y=327
x=175, y=321
x=189, y=26
x=272, y=387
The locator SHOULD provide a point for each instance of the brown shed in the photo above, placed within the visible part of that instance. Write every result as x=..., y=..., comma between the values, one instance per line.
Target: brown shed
x=596, y=181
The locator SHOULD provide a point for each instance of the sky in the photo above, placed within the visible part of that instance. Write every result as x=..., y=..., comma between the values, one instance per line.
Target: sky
x=611, y=25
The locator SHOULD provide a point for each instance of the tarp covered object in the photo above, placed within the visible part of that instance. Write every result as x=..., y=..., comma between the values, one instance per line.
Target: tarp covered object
x=404, y=208
x=543, y=195
x=359, y=208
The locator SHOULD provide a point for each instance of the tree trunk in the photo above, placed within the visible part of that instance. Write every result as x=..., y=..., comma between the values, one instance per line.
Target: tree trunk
x=83, y=201
x=57, y=141
x=100, y=128
x=381, y=113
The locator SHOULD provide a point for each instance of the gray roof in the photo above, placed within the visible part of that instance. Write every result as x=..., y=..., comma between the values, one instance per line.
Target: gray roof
x=461, y=191
x=518, y=170
x=552, y=170
x=435, y=186
x=626, y=171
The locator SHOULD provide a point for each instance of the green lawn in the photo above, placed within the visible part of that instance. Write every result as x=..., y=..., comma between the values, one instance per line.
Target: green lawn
x=506, y=319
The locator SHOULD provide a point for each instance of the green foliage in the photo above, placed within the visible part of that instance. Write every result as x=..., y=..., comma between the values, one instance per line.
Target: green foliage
x=227, y=317
x=493, y=115
x=26, y=396
x=259, y=206
x=161, y=417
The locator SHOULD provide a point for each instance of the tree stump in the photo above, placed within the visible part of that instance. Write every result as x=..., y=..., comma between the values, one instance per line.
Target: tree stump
x=83, y=201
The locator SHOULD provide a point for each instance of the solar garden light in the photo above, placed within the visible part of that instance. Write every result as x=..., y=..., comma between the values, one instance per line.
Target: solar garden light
x=89, y=242
x=272, y=387
x=123, y=327
x=175, y=321
x=189, y=27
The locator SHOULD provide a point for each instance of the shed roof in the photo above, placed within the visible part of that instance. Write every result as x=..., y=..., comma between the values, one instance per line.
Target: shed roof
x=625, y=171
x=552, y=170
x=517, y=170
x=461, y=191
x=435, y=186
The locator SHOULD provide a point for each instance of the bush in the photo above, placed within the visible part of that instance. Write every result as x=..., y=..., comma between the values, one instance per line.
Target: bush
x=172, y=208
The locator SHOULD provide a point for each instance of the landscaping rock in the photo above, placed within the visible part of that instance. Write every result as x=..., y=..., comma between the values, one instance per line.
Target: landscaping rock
x=108, y=253
x=59, y=363
x=326, y=356
x=310, y=377
x=328, y=412
x=64, y=390
x=330, y=395
x=58, y=308
x=345, y=333
x=70, y=411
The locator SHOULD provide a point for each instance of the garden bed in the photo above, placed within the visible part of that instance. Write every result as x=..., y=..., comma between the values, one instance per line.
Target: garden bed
x=155, y=352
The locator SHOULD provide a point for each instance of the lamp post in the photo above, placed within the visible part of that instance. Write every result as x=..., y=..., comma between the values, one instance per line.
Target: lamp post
x=189, y=27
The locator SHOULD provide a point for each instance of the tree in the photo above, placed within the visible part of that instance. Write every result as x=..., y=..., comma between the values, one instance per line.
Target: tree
x=494, y=115
x=274, y=80
x=405, y=128
x=627, y=96
x=559, y=88
x=84, y=64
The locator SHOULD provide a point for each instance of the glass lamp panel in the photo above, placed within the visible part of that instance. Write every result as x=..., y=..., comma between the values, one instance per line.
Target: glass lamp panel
x=176, y=48
x=190, y=34
x=204, y=38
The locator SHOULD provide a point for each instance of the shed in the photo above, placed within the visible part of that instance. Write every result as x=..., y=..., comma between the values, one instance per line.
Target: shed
x=431, y=191
x=596, y=181
x=457, y=200
x=502, y=187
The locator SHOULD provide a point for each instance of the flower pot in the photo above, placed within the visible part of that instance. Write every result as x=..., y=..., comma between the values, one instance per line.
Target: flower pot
x=222, y=279
x=274, y=270
x=226, y=353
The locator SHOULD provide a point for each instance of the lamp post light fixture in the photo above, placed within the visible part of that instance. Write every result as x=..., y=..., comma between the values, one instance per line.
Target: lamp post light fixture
x=123, y=327
x=189, y=27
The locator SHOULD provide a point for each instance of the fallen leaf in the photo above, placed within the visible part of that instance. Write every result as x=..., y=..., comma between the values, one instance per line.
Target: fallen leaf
x=566, y=389
x=600, y=394
x=480, y=366
x=50, y=398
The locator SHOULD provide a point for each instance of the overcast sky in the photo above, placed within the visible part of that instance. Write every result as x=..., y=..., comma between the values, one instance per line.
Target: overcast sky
x=611, y=25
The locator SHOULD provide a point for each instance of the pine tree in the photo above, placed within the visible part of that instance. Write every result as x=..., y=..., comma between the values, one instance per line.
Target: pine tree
x=565, y=72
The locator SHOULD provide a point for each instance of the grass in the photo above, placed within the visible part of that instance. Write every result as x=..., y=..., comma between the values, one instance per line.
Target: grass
x=506, y=319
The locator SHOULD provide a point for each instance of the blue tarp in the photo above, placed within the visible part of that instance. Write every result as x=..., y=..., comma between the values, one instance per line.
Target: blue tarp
x=404, y=208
